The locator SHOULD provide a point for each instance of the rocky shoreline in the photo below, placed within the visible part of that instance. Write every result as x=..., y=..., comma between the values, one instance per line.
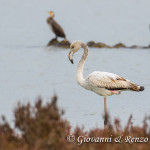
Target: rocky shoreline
x=66, y=44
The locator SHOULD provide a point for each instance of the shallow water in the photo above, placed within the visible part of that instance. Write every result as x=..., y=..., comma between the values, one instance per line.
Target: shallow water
x=29, y=69
x=27, y=73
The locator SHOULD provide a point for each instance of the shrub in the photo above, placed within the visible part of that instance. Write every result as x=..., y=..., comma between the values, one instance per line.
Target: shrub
x=41, y=127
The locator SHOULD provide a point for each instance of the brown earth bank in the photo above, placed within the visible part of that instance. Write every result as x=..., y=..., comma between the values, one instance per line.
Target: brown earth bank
x=41, y=127
x=66, y=44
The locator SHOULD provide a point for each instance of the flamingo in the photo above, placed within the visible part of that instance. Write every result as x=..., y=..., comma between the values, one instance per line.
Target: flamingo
x=102, y=83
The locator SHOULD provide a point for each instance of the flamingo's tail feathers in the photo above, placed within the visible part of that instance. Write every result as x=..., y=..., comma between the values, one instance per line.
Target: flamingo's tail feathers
x=141, y=88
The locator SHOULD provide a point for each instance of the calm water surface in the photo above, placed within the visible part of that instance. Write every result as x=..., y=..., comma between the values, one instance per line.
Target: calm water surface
x=29, y=72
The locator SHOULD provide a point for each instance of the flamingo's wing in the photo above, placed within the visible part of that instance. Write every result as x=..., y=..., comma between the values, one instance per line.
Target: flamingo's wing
x=110, y=81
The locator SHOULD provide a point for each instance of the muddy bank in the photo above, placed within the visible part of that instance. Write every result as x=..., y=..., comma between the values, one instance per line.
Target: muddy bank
x=66, y=44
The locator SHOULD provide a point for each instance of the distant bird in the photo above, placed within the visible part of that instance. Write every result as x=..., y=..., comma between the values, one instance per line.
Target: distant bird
x=102, y=83
x=55, y=27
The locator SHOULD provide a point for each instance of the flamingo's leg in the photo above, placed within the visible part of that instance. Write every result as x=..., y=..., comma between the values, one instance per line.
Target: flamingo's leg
x=106, y=115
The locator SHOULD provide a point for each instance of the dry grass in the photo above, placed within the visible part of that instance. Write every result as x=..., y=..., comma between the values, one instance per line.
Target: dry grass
x=41, y=127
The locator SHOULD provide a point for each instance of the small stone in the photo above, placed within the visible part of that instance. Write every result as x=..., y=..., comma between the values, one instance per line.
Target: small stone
x=119, y=45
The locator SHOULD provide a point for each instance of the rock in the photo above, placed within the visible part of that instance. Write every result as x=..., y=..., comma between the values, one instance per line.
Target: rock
x=52, y=42
x=62, y=44
x=146, y=47
x=66, y=44
x=91, y=43
x=102, y=45
x=134, y=47
x=98, y=45
x=120, y=45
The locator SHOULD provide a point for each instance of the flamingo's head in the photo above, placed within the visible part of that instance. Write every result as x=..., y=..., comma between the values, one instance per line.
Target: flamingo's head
x=74, y=47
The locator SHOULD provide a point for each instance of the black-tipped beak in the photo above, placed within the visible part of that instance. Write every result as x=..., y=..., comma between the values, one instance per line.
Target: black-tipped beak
x=71, y=60
x=70, y=56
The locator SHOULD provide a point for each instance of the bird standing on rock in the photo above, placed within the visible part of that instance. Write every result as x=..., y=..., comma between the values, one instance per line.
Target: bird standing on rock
x=55, y=27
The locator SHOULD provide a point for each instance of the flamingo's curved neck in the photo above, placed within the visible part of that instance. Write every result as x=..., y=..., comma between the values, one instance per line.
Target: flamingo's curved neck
x=79, y=73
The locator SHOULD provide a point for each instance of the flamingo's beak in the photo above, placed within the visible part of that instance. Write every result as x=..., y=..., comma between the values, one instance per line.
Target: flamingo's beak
x=70, y=56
